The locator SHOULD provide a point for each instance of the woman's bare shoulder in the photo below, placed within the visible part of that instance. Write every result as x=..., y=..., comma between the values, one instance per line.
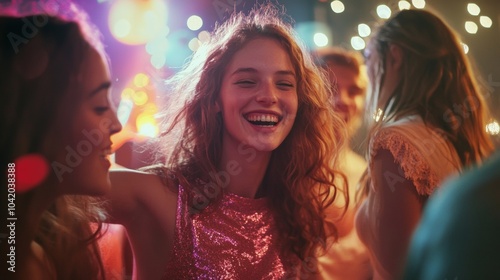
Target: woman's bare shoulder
x=136, y=190
x=146, y=177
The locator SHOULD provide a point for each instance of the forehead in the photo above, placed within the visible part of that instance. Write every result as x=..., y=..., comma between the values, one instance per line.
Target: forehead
x=261, y=53
x=94, y=71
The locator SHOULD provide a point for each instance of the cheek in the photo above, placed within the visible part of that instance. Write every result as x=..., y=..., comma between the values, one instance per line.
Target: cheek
x=360, y=102
x=292, y=103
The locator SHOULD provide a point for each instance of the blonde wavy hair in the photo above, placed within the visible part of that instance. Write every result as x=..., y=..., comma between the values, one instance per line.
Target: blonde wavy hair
x=37, y=112
x=436, y=79
x=299, y=178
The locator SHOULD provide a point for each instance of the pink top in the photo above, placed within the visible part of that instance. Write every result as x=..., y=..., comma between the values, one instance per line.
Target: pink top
x=234, y=238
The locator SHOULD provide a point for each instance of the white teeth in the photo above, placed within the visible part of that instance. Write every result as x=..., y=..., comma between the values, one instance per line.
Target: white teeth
x=263, y=118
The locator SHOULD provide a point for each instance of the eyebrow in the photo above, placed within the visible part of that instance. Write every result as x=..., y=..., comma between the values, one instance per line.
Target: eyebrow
x=103, y=86
x=253, y=70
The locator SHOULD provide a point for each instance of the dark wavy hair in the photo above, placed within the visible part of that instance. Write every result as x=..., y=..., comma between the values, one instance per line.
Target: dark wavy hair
x=299, y=178
x=38, y=81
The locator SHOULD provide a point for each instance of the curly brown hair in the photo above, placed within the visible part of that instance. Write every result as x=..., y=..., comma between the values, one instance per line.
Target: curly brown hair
x=300, y=176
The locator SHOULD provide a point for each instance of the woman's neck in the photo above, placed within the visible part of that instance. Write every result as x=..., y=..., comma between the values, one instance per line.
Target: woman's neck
x=244, y=169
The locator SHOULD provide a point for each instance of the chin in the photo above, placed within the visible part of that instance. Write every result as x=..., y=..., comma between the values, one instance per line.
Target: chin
x=265, y=147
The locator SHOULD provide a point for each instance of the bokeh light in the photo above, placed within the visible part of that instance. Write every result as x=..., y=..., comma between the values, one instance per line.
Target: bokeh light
x=364, y=30
x=404, y=5
x=140, y=97
x=194, y=22
x=419, y=4
x=320, y=39
x=471, y=27
x=141, y=80
x=383, y=11
x=146, y=125
x=485, y=21
x=194, y=44
x=137, y=22
x=358, y=43
x=473, y=9
x=204, y=36
x=337, y=6
x=465, y=47
x=308, y=31
x=493, y=128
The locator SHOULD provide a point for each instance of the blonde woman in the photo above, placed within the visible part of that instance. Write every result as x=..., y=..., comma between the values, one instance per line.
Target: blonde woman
x=429, y=123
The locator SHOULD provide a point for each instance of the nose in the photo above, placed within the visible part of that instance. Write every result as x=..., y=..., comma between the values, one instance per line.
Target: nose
x=267, y=94
x=115, y=125
x=342, y=97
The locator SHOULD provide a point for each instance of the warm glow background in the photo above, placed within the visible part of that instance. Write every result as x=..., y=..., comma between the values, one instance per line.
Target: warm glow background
x=148, y=40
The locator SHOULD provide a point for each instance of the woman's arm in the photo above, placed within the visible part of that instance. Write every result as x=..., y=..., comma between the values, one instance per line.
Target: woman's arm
x=397, y=212
x=136, y=193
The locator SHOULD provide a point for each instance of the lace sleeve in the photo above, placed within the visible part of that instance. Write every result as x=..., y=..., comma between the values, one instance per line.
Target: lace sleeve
x=406, y=153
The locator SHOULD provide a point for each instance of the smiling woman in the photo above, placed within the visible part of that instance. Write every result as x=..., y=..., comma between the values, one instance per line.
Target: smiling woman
x=251, y=145
x=258, y=97
x=56, y=109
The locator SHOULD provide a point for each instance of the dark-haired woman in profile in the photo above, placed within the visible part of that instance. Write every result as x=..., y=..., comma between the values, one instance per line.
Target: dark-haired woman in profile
x=55, y=111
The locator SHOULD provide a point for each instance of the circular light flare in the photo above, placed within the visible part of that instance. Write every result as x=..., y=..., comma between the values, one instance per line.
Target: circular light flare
x=121, y=28
x=364, y=30
x=204, y=36
x=320, y=39
x=141, y=80
x=150, y=108
x=158, y=60
x=137, y=22
x=404, y=5
x=485, y=21
x=493, y=128
x=419, y=4
x=194, y=44
x=383, y=11
x=30, y=171
x=159, y=45
x=471, y=27
x=194, y=22
x=140, y=98
x=473, y=9
x=465, y=47
x=337, y=6
x=146, y=125
x=358, y=43
x=127, y=93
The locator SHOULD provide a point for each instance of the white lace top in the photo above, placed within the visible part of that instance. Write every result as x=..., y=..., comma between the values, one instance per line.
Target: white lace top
x=426, y=158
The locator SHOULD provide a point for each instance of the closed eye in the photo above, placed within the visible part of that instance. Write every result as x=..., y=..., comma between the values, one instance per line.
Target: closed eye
x=286, y=85
x=245, y=83
x=101, y=110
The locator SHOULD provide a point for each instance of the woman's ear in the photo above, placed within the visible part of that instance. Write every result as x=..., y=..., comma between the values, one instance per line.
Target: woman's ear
x=395, y=56
x=217, y=107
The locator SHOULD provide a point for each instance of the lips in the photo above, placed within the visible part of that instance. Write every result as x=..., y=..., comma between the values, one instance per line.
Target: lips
x=104, y=155
x=263, y=119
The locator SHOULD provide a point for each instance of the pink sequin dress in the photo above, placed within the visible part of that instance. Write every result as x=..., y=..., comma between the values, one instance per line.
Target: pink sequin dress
x=234, y=238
